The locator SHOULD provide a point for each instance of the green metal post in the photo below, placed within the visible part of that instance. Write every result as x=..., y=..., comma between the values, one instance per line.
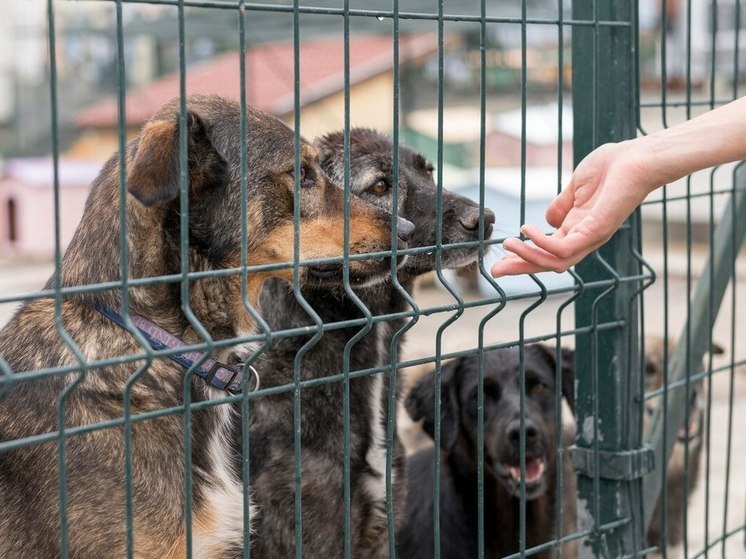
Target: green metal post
x=607, y=455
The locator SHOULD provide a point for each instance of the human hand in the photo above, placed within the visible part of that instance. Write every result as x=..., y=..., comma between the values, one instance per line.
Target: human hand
x=605, y=189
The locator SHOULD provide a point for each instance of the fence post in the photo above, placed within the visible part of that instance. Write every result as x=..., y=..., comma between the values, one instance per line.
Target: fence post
x=608, y=453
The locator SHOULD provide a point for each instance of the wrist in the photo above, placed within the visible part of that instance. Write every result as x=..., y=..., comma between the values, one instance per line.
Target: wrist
x=642, y=163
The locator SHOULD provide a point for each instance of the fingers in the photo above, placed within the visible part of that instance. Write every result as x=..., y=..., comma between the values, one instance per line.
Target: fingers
x=554, y=253
x=560, y=206
x=512, y=265
x=539, y=259
x=571, y=247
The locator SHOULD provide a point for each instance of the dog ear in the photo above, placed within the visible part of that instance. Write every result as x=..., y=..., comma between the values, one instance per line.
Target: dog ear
x=329, y=148
x=420, y=404
x=153, y=174
x=567, y=367
x=328, y=144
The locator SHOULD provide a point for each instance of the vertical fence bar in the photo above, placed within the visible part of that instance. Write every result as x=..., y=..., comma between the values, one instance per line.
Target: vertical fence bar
x=346, y=467
x=522, y=320
x=397, y=337
x=297, y=439
x=184, y=291
x=665, y=278
x=243, y=165
x=686, y=341
x=733, y=307
x=731, y=372
x=245, y=408
x=261, y=323
x=61, y=461
x=502, y=301
x=368, y=326
x=604, y=111
x=58, y=298
x=562, y=456
x=124, y=289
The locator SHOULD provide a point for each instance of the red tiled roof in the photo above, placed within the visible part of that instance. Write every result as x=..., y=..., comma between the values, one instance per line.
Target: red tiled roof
x=269, y=76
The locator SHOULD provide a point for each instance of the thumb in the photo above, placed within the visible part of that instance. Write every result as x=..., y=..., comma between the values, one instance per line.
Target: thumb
x=560, y=206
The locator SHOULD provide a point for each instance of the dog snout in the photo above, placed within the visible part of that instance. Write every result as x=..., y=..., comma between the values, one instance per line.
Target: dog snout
x=513, y=432
x=470, y=221
x=404, y=229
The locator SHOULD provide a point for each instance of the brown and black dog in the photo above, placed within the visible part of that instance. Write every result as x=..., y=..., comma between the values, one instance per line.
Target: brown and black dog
x=502, y=472
x=322, y=439
x=94, y=461
x=682, y=470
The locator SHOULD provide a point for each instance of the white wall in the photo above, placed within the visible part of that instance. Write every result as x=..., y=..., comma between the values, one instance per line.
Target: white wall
x=22, y=50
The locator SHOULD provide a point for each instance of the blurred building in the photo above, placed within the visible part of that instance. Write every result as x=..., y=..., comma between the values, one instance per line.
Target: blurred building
x=270, y=86
x=27, y=185
x=506, y=132
x=27, y=207
x=23, y=57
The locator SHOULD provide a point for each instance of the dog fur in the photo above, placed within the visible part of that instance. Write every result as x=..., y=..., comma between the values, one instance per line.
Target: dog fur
x=458, y=456
x=679, y=486
x=94, y=461
x=271, y=430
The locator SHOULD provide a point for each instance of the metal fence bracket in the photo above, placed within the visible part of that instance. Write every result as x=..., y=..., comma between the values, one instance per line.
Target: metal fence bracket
x=623, y=465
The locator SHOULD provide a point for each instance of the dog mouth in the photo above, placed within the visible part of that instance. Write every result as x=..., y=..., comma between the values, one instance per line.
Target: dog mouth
x=451, y=259
x=690, y=432
x=360, y=272
x=533, y=479
x=324, y=273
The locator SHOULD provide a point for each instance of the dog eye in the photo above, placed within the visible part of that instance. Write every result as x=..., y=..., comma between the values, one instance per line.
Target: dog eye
x=430, y=169
x=537, y=388
x=380, y=187
x=305, y=179
x=491, y=390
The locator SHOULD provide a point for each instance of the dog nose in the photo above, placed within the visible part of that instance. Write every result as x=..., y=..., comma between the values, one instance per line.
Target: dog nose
x=404, y=229
x=470, y=221
x=514, y=432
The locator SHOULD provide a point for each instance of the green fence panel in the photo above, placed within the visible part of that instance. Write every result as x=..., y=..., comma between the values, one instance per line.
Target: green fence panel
x=620, y=462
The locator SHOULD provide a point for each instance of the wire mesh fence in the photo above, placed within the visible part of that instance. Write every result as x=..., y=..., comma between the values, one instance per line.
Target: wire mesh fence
x=277, y=336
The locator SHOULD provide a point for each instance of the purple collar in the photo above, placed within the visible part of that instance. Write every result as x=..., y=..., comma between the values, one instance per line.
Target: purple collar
x=216, y=374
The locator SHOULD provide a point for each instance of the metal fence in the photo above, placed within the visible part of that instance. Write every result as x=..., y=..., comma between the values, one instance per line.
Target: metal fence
x=625, y=430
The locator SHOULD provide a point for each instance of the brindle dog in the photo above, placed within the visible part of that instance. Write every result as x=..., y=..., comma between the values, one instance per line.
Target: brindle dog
x=321, y=406
x=94, y=461
x=682, y=470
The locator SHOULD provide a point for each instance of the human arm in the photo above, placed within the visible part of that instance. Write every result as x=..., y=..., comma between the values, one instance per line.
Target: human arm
x=614, y=179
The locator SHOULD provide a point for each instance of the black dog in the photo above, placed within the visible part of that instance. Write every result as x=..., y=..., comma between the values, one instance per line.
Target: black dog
x=272, y=418
x=502, y=472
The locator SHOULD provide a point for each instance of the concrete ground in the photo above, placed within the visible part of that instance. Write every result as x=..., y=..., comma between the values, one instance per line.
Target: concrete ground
x=18, y=277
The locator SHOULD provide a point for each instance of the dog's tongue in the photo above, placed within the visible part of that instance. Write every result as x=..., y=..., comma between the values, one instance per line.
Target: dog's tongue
x=534, y=470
